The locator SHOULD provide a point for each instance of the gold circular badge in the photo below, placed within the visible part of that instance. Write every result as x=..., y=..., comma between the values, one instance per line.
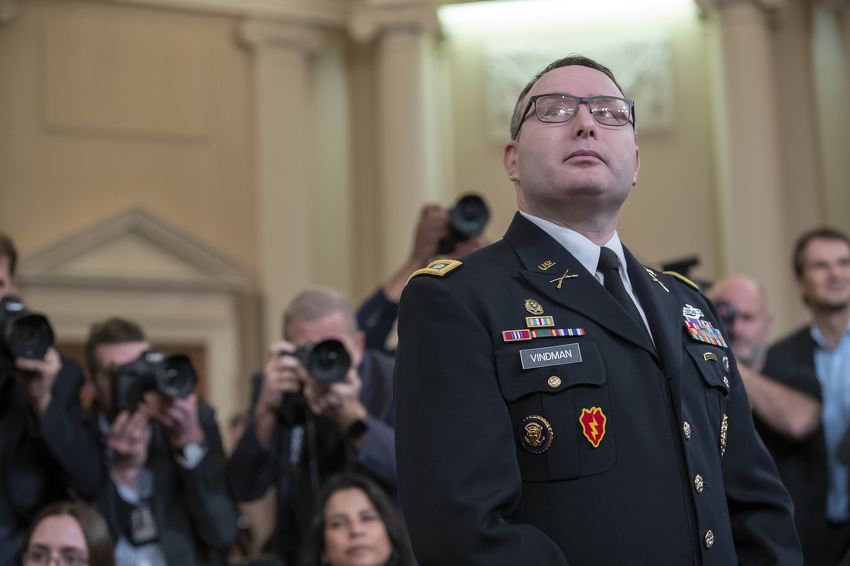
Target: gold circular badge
x=535, y=434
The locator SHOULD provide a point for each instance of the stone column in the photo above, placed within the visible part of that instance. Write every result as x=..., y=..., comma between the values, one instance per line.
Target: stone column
x=406, y=116
x=283, y=180
x=754, y=238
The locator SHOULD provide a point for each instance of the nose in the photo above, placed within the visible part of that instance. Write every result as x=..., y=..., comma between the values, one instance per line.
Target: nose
x=583, y=124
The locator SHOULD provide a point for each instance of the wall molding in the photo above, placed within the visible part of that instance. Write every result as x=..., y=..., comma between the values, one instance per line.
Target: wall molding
x=197, y=267
x=330, y=13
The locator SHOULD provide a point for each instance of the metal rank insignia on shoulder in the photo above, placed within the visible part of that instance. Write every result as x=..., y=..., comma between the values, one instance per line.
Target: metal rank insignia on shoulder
x=439, y=267
x=593, y=425
x=701, y=329
x=535, y=434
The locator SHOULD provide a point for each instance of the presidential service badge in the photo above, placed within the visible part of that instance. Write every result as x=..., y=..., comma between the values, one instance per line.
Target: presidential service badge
x=593, y=425
x=535, y=434
x=701, y=329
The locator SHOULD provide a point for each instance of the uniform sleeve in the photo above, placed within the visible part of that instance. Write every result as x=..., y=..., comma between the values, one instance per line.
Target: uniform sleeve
x=459, y=480
x=70, y=440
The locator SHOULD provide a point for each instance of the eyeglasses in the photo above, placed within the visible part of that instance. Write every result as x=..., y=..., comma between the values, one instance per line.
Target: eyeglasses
x=43, y=557
x=560, y=108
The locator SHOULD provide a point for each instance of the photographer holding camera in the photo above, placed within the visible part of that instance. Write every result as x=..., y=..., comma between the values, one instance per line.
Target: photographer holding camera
x=322, y=404
x=167, y=503
x=46, y=453
x=441, y=231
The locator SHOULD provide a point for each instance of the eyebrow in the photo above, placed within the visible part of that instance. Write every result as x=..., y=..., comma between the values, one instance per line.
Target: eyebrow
x=61, y=548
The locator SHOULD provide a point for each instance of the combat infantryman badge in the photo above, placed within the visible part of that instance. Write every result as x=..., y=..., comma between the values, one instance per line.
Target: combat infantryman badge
x=533, y=307
x=700, y=329
x=593, y=424
x=535, y=434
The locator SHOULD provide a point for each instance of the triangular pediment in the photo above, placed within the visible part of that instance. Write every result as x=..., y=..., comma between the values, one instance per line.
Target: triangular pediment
x=134, y=249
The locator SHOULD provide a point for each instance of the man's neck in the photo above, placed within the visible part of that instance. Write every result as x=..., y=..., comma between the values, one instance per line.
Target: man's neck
x=832, y=324
x=598, y=230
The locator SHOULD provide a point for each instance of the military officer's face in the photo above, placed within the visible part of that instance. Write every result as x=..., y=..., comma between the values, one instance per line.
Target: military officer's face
x=825, y=280
x=573, y=168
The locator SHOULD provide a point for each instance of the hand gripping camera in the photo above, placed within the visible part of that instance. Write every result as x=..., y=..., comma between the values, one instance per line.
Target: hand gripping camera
x=26, y=334
x=173, y=376
x=327, y=362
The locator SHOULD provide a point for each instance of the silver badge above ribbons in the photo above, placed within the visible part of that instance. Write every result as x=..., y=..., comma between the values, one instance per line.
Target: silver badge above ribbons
x=550, y=356
x=691, y=312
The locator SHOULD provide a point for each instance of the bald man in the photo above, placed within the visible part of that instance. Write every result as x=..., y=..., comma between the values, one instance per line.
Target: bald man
x=783, y=410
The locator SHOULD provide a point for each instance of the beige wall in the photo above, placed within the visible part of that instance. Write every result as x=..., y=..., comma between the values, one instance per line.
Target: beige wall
x=104, y=108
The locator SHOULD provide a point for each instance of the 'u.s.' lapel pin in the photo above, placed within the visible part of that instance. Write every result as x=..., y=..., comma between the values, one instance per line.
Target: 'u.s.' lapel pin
x=546, y=265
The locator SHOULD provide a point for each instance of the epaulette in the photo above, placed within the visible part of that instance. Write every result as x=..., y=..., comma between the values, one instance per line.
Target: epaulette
x=683, y=279
x=439, y=267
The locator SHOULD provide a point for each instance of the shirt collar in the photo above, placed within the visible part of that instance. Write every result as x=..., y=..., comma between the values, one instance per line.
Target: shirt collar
x=585, y=251
x=818, y=337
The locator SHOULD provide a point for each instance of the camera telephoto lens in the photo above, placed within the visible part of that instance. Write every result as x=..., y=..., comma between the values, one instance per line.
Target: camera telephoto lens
x=25, y=333
x=176, y=377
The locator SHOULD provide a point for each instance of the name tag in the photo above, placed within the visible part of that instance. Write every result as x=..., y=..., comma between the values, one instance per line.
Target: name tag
x=551, y=356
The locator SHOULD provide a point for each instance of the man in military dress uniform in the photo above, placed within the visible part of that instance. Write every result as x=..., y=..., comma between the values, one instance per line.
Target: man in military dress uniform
x=559, y=403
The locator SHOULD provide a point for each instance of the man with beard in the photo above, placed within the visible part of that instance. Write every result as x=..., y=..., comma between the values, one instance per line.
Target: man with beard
x=816, y=360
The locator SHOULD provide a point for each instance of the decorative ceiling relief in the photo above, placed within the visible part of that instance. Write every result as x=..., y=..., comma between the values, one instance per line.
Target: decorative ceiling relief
x=641, y=65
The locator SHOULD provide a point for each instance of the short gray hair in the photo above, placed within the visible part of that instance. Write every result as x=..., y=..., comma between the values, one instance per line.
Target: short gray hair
x=315, y=303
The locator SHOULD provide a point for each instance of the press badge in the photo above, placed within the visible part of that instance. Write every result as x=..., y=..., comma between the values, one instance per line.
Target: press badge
x=550, y=356
x=142, y=526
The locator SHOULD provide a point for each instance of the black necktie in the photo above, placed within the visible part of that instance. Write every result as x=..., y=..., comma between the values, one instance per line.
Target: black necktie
x=609, y=267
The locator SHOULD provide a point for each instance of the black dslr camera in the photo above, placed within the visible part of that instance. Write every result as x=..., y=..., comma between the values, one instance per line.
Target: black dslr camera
x=327, y=362
x=467, y=219
x=26, y=334
x=173, y=376
x=728, y=312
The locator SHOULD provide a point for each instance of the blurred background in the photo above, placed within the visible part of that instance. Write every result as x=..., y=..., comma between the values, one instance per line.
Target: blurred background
x=192, y=164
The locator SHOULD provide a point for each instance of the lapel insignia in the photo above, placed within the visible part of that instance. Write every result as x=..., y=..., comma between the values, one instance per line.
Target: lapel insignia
x=546, y=265
x=562, y=277
x=516, y=335
x=553, y=332
x=533, y=307
x=532, y=321
x=593, y=425
x=724, y=427
x=655, y=278
x=535, y=434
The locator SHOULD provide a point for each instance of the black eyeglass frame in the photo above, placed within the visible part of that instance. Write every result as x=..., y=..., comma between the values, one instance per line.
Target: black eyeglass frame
x=588, y=99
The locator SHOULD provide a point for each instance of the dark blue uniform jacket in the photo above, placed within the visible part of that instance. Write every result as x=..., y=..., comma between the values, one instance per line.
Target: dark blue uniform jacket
x=474, y=495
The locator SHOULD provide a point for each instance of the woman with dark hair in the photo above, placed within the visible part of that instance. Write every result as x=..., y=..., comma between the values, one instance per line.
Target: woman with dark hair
x=72, y=532
x=354, y=524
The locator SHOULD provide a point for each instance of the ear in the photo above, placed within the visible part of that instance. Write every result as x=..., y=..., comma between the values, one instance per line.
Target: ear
x=637, y=165
x=510, y=159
